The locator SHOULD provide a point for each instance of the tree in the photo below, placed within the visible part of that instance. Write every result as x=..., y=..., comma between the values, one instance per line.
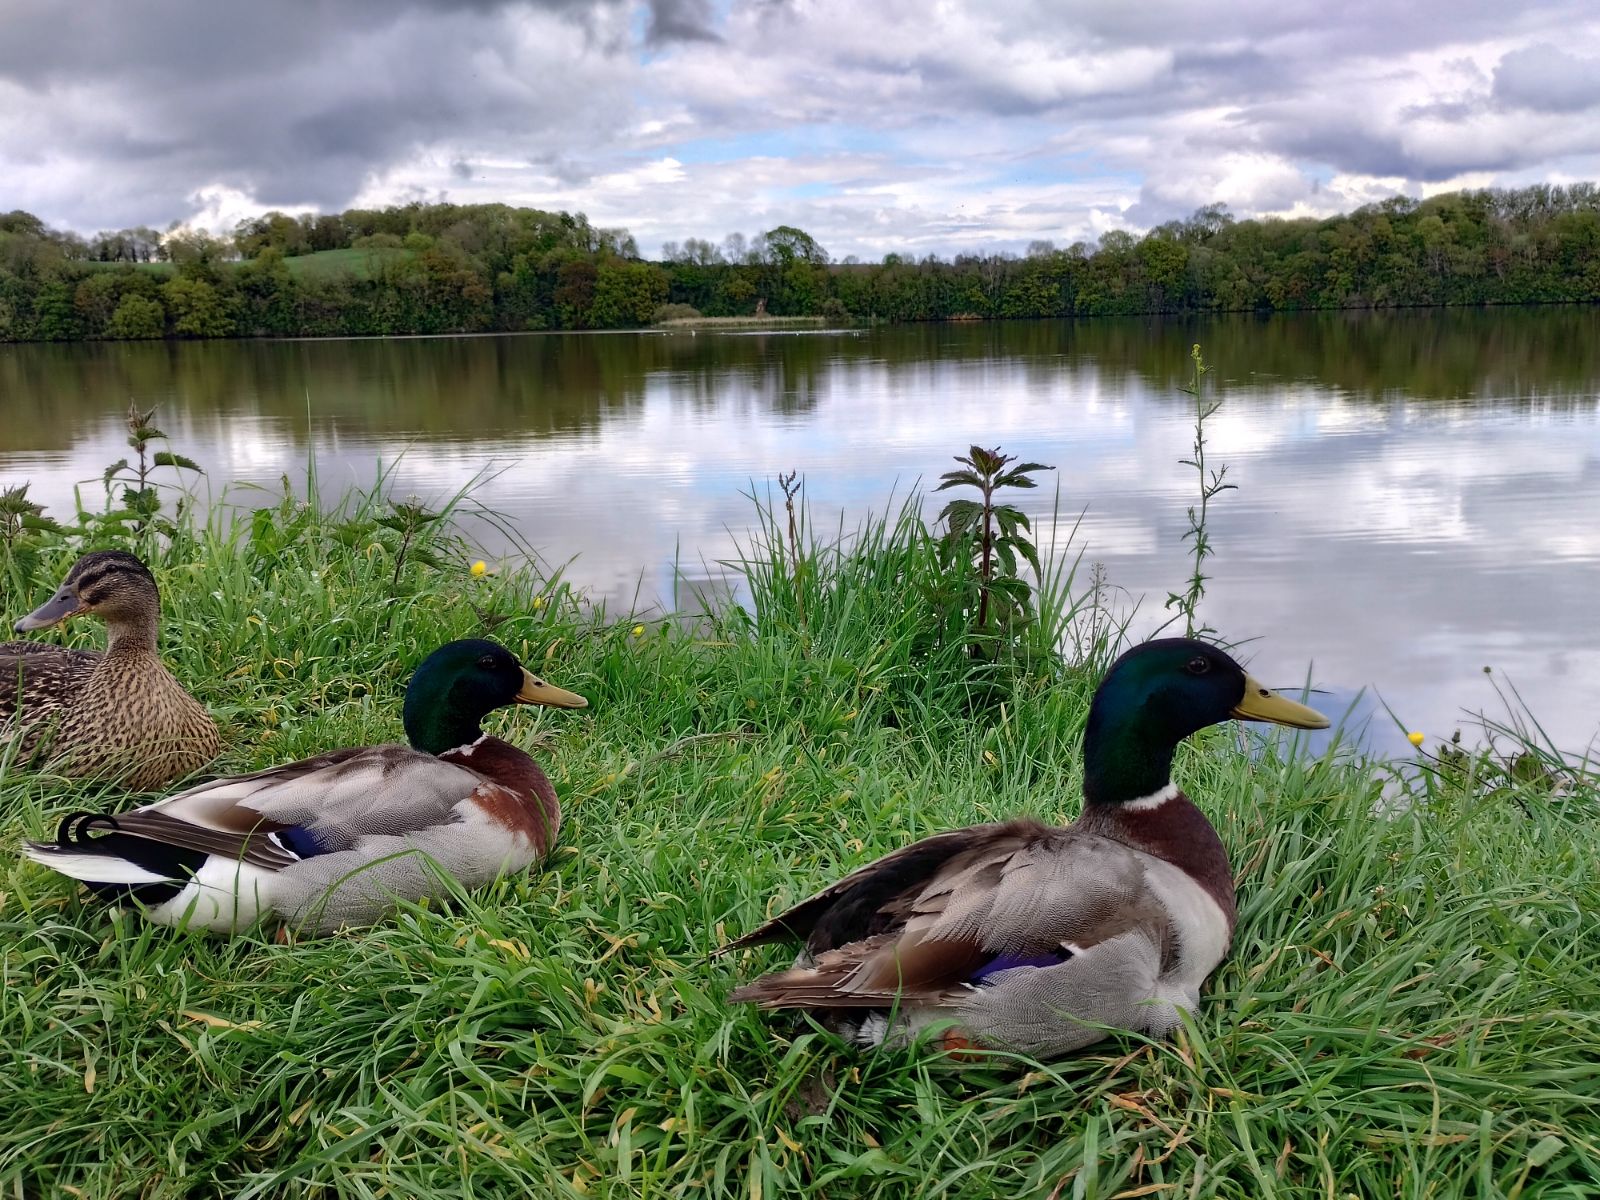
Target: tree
x=137, y=317
x=197, y=310
x=96, y=299
x=196, y=252
x=786, y=245
x=626, y=294
x=274, y=229
x=574, y=292
x=18, y=221
x=54, y=317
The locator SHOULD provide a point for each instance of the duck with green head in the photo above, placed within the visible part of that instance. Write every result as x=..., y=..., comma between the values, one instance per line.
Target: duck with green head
x=338, y=839
x=1028, y=937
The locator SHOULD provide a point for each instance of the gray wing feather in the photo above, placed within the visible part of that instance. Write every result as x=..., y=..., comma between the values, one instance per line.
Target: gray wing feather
x=1075, y=887
x=1016, y=896
x=339, y=797
x=1056, y=1010
x=361, y=885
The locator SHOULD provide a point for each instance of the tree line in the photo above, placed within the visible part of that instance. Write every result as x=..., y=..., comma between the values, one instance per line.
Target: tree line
x=439, y=268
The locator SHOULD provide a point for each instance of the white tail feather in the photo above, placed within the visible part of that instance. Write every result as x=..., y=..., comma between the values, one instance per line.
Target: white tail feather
x=92, y=868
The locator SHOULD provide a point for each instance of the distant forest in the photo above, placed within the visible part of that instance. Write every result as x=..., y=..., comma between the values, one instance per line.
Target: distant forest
x=440, y=268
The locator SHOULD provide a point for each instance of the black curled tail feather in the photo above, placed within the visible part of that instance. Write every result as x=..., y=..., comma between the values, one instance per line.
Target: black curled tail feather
x=76, y=834
x=73, y=833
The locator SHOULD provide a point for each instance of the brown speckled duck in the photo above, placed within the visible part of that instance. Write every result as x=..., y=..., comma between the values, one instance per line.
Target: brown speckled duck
x=1035, y=938
x=118, y=716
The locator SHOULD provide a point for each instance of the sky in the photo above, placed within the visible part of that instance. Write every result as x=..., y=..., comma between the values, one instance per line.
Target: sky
x=908, y=126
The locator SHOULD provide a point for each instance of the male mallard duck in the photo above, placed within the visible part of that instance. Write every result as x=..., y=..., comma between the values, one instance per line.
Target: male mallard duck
x=337, y=839
x=1033, y=938
x=118, y=716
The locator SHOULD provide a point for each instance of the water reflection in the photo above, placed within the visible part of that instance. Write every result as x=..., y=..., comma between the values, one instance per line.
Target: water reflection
x=1418, y=498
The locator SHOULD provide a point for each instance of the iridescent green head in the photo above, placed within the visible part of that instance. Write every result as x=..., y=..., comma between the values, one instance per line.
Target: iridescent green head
x=462, y=682
x=1157, y=694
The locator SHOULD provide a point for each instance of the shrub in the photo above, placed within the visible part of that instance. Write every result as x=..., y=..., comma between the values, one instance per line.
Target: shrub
x=674, y=312
x=137, y=317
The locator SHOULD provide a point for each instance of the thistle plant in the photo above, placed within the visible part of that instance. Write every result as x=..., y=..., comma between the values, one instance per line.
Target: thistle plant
x=1210, y=484
x=792, y=486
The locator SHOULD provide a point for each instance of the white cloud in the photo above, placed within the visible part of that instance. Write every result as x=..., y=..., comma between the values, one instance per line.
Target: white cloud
x=900, y=125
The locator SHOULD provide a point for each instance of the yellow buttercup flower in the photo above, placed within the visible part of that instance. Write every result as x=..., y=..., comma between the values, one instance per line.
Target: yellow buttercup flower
x=538, y=603
x=479, y=568
x=638, y=631
x=1415, y=738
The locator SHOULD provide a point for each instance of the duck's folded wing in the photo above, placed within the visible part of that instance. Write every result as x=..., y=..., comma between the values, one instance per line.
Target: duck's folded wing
x=25, y=665
x=1022, y=895
x=327, y=802
x=871, y=899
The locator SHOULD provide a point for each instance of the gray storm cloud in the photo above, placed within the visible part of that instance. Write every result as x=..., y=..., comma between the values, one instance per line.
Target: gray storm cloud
x=874, y=126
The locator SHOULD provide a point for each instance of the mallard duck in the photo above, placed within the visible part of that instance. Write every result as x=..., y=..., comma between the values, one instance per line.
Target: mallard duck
x=1027, y=937
x=336, y=840
x=118, y=716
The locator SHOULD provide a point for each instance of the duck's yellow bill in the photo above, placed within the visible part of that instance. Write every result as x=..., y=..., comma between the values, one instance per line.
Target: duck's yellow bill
x=1264, y=704
x=537, y=691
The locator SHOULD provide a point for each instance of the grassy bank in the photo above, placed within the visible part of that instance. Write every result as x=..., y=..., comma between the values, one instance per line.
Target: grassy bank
x=742, y=323
x=1409, y=1008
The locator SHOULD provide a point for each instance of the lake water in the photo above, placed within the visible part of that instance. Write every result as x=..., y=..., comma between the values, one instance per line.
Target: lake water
x=1418, y=494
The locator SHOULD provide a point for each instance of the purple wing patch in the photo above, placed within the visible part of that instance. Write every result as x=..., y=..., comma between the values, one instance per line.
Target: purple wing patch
x=298, y=840
x=1007, y=962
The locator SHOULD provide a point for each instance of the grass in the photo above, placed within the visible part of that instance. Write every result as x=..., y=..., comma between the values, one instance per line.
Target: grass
x=1409, y=1008
x=749, y=322
x=150, y=268
x=361, y=263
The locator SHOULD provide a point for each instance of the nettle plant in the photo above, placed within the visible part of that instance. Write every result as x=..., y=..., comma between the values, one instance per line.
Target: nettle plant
x=24, y=532
x=140, y=495
x=985, y=542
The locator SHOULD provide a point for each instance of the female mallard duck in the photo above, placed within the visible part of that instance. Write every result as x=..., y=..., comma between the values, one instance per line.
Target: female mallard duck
x=1033, y=938
x=118, y=716
x=337, y=839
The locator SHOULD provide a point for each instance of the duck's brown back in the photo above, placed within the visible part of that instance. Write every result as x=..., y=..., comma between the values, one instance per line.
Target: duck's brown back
x=39, y=681
x=120, y=717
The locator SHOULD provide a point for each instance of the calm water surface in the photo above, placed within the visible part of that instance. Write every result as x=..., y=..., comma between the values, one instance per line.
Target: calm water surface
x=1418, y=495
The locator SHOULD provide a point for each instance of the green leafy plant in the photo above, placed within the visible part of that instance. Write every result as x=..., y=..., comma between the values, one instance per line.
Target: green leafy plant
x=991, y=538
x=141, y=498
x=20, y=516
x=411, y=519
x=1210, y=484
x=792, y=486
x=24, y=532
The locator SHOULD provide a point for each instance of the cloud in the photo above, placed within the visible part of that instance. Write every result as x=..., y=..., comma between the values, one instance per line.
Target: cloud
x=296, y=104
x=680, y=21
x=1546, y=79
x=971, y=125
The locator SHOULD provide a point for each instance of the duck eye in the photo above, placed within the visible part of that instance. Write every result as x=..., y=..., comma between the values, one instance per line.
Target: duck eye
x=487, y=662
x=1198, y=665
